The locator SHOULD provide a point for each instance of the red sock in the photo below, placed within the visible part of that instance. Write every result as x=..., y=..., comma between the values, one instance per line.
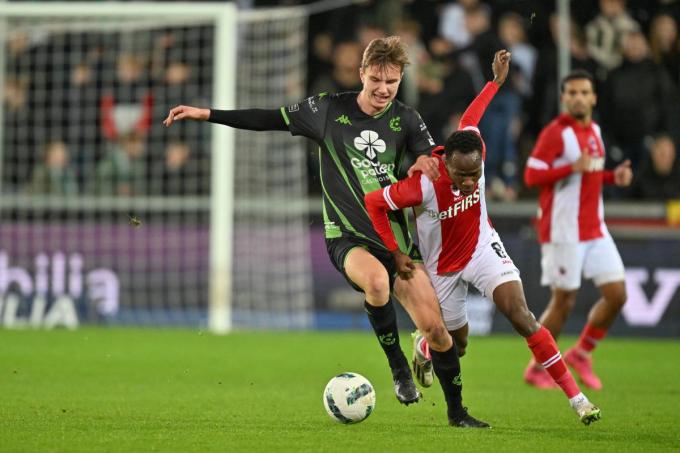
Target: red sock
x=590, y=336
x=544, y=349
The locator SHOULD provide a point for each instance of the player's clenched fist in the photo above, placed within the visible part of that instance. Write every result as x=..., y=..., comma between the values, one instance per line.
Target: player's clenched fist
x=404, y=264
x=182, y=112
x=623, y=175
x=501, y=66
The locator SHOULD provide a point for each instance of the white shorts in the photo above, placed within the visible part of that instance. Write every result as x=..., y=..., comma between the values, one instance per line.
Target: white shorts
x=562, y=264
x=489, y=267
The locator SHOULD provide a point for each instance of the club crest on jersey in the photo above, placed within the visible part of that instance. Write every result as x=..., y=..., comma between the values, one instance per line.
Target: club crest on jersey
x=461, y=205
x=369, y=142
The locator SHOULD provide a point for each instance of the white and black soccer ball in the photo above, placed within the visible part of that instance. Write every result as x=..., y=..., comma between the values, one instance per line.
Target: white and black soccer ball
x=349, y=398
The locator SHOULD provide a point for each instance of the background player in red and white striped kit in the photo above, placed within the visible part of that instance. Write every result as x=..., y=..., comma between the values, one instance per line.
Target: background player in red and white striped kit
x=460, y=246
x=567, y=164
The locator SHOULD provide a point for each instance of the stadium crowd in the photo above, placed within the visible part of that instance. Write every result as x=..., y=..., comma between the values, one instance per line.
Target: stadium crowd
x=632, y=48
x=82, y=111
x=115, y=92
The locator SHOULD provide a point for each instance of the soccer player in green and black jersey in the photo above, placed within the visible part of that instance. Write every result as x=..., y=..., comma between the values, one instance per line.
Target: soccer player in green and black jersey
x=363, y=138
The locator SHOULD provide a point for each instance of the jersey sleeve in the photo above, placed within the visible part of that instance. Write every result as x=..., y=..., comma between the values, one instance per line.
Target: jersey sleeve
x=473, y=114
x=308, y=117
x=539, y=170
x=608, y=177
x=420, y=142
x=403, y=194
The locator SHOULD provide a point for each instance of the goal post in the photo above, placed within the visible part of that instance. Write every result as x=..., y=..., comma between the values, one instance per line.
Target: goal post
x=222, y=205
x=227, y=249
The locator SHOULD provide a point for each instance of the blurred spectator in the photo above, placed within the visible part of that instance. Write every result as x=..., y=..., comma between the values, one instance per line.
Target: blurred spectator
x=368, y=32
x=637, y=100
x=409, y=31
x=452, y=22
x=501, y=162
x=665, y=45
x=425, y=13
x=483, y=45
x=344, y=76
x=320, y=55
x=82, y=128
x=16, y=95
x=513, y=34
x=53, y=176
x=544, y=104
x=180, y=173
x=605, y=32
x=123, y=169
x=18, y=133
x=127, y=107
x=445, y=90
x=659, y=177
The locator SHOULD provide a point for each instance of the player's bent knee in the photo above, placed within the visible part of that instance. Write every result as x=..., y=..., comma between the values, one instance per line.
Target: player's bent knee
x=377, y=286
x=621, y=297
x=437, y=336
x=615, y=295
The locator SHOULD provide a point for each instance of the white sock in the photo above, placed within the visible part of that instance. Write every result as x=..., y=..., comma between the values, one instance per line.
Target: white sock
x=578, y=400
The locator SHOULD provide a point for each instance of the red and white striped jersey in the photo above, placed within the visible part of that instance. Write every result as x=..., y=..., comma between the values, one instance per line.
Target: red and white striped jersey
x=570, y=205
x=450, y=225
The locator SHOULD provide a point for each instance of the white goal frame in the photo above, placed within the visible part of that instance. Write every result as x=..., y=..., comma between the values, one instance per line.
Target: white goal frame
x=225, y=18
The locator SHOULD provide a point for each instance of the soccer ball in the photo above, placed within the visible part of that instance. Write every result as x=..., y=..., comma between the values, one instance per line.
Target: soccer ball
x=349, y=398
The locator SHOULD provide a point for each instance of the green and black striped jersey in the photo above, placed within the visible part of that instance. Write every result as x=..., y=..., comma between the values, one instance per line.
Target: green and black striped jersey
x=358, y=153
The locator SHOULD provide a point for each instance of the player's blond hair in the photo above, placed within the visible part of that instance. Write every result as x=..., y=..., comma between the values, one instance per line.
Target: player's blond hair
x=384, y=52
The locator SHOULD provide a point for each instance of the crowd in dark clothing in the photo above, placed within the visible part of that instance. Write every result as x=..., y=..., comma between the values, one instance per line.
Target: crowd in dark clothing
x=114, y=87
x=632, y=48
x=79, y=109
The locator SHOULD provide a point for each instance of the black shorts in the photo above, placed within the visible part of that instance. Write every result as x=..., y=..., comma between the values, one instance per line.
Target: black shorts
x=338, y=248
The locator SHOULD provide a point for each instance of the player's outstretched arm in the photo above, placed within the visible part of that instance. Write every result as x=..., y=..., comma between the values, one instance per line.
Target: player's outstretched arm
x=249, y=119
x=473, y=114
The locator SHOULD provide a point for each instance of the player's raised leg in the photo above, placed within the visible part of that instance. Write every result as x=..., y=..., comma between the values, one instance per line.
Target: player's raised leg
x=509, y=298
x=600, y=319
x=367, y=272
x=418, y=298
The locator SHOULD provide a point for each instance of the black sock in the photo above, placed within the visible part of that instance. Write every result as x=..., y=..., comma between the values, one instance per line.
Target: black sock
x=384, y=322
x=447, y=368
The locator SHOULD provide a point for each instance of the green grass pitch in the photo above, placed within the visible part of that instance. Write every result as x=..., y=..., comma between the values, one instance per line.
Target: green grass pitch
x=181, y=390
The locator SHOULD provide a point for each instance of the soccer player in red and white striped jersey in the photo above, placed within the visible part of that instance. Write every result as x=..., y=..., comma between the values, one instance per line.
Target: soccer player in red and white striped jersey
x=567, y=164
x=460, y=247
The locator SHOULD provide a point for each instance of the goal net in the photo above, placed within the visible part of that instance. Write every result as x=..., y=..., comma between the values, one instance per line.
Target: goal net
x=109, y=217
